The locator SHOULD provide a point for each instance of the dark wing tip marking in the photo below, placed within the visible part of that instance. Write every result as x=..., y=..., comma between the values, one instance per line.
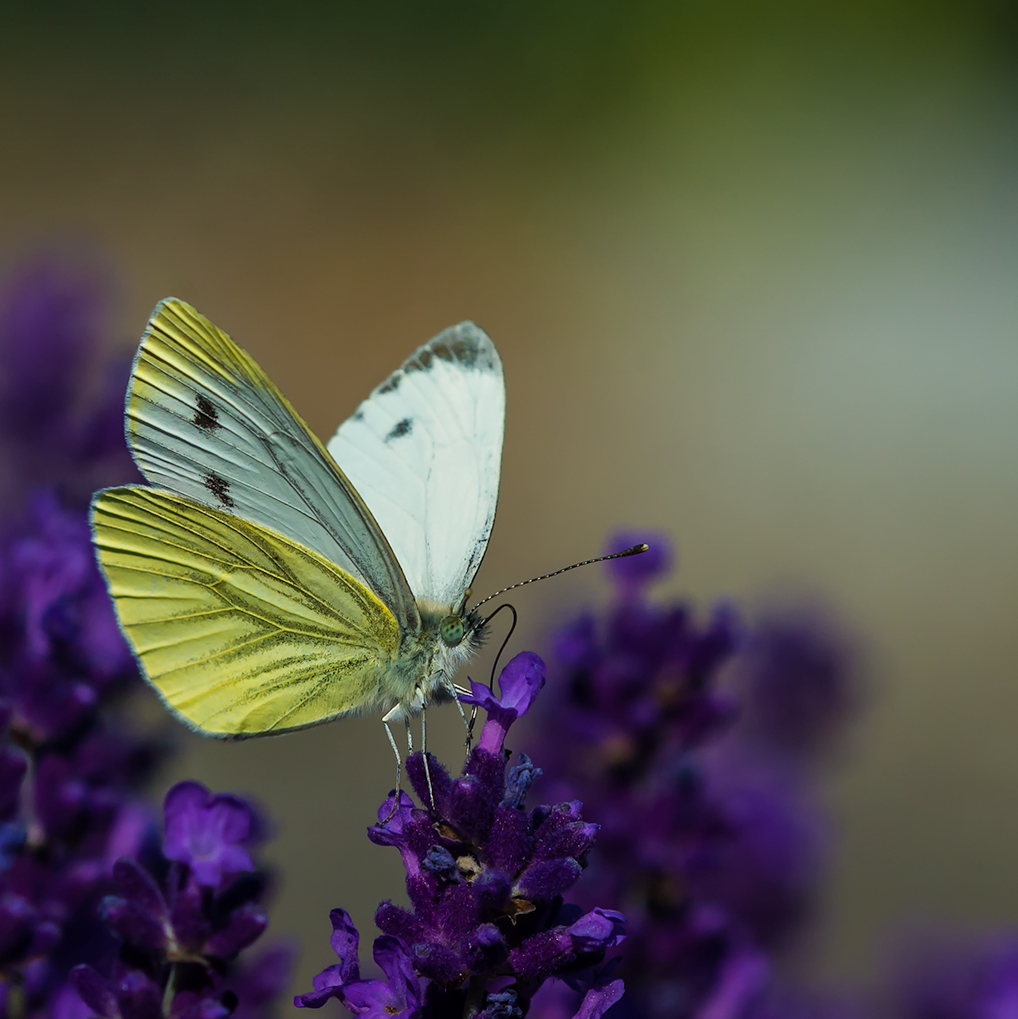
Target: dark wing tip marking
x=464, y=344
x=220, y=488
x=206, y=417
x=391, y=384
x=400, y=429
x=420, y=362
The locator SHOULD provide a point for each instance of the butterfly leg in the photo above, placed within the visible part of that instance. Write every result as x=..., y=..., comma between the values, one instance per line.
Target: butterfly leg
x=399, y=771
x=424, y=754
x=469, y=726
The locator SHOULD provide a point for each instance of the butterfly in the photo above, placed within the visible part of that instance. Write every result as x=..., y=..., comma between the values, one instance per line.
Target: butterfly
x=267, y=582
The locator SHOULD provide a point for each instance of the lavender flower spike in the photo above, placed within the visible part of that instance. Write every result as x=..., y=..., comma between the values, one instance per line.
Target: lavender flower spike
x=486, y=880
x=178, y=934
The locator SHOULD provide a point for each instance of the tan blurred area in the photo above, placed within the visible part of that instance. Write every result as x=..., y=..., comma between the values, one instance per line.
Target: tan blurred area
x=752, y=272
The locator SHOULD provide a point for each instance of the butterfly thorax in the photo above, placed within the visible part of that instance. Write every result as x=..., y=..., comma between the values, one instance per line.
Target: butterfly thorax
x=429, y=658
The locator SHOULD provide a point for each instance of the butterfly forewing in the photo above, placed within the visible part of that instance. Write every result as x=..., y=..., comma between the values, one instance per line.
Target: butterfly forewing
x=242, y=631
x=424, y=451
x=204, y=421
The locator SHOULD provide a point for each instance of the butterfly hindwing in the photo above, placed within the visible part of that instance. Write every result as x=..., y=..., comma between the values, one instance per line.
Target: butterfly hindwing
x=241, y=630
x=204, y=421
x=424, y=451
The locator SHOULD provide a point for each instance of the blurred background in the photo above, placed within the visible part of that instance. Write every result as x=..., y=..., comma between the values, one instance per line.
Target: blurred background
x=751, y=268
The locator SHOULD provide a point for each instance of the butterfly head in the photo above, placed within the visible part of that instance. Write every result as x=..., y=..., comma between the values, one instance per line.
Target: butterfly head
x=453, y=629
x=459, y=627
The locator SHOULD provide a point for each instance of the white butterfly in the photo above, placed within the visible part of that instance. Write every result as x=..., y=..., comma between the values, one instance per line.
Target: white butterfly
x=268, y=583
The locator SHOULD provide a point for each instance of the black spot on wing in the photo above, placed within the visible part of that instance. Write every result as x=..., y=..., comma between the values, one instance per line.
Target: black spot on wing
x=357, y=415
x=206, y=417
x=400, y=429
x=220, y=488
x=391, y=384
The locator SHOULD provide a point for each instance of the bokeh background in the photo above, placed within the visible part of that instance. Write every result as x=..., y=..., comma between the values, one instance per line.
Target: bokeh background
x=752, y=270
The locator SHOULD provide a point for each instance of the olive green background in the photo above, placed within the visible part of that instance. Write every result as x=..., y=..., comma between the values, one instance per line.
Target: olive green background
x=752, y=271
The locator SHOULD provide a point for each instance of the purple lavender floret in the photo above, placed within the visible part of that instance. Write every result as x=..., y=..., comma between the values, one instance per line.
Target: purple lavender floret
x=689, y=742
x=207, y=832
x=181, y=923
x=488, y=924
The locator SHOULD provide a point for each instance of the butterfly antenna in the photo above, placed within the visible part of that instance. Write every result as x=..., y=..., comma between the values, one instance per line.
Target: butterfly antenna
x=494, y=665
x=635, y=550
x=488, y=619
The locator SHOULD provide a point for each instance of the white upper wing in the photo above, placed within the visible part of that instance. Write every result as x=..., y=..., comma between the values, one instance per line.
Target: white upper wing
x=204, y=421
x=424, y=451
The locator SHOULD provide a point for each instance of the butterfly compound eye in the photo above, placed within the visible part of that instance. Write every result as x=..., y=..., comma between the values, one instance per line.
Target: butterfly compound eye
x=453, y=630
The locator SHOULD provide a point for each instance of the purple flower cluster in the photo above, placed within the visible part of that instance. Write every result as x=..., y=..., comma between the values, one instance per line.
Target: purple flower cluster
x=69, y=769
x=486, y=880
x=952, y=975
x=61, y=393
x=180, y=922
x=691, y=744
x=71, y=765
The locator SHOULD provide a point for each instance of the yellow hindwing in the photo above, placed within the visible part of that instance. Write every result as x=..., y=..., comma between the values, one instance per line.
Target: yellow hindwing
x=242, y=631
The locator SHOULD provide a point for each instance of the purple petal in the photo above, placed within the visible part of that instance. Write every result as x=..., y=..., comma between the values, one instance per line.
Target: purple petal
x=392, y=959
x=327, y=984
x=136, y=884
x=598, y=1000
x=598, y=930
x=742, y=980
x=521, y=681
x=375, y=999
x=134, y=925
x=67, y=1004
x=245, y=926
x=345, y=941
x=94, y=991
x=138, y=997
x=481, y=695
x=204, y=832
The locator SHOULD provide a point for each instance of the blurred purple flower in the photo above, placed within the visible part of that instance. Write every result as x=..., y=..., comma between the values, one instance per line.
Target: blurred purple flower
x=70, y=767
x=797, y=685
x=953, y=975
x=486, y=879
x=400, y=994
x=714, y=850
x=205, y=832
x=61, y=390
x=632, y=573
x=179, y=934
